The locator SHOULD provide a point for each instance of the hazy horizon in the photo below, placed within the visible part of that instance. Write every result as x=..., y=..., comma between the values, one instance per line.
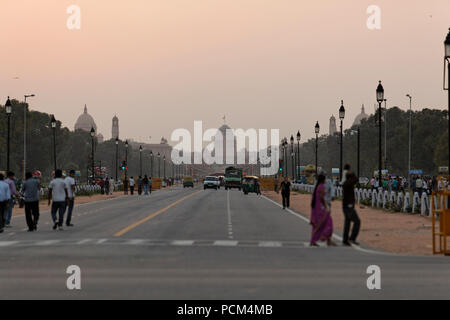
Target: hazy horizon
x=159, y=66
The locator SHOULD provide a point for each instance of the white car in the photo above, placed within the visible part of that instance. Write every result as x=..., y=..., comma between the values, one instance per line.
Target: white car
x=211, y=182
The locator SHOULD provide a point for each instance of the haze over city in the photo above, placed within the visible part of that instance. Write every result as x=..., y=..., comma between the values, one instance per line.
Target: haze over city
x=160, y=65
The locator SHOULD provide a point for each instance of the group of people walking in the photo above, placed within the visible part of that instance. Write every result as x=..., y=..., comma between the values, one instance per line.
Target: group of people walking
x=61, y=197
x=143, y=185
x=324, y=193
x=321, y=220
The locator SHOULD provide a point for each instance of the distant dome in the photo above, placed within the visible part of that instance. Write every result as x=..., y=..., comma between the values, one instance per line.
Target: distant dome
x=100, y=138
x=360, y=117
x=85, y=122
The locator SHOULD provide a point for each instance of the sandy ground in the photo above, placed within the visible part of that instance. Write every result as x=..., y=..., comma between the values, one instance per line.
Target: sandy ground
x=392, y=232
x=43, y=206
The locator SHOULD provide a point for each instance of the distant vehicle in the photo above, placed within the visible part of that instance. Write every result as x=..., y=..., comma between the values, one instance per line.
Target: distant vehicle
x=233, y=178
x=251, y=184
x=188, y=182
x=211, y=182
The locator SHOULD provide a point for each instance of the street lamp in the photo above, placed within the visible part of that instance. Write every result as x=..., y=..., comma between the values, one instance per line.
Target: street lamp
x=298, y=154
x=341, y=157
x=292, y=157
x=151, y=163
x=410, y=133
x=92, y=155
x=164, y=161
x=317, y=130
x=25, y=135
x=53, y=125
x=140, y=161
x=117, y=158
x=126, y=159
x=447, y=59
x=380, y=99
x=284, y=146
x=159, y=165
x=8, y=108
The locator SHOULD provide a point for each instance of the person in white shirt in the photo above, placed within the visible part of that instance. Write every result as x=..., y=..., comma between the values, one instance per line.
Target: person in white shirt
x=5, y=196
x=60, y=196
x=131, y=185
x=70, y=185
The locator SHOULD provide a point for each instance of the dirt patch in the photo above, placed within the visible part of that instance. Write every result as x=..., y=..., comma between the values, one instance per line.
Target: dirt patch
x=391, y=232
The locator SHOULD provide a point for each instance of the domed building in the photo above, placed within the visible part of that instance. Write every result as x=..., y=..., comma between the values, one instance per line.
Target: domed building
x=85, y=122
x=360, y=117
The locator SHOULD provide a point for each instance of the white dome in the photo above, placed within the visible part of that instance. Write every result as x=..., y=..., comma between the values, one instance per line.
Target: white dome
x=85, y=122
x=360, y=117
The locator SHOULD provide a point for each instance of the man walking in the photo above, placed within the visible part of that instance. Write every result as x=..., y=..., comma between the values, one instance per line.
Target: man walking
x=285, y=192
x=350, y=214
x=131, y=186
x=11, y=182
x=5, y=196
x=30, y=192
x=70, y=185
x=59, y=194
x=150, y=185
x=145, y=184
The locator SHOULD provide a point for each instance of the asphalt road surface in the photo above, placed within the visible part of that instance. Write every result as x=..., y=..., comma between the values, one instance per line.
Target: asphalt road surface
x=195, y=244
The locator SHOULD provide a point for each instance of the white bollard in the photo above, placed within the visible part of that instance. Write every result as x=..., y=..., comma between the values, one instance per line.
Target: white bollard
x=407, y=202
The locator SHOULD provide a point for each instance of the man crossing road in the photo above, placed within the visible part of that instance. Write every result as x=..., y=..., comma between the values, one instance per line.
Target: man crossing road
x=70, y=185
x=59, y=196
x=5, y=196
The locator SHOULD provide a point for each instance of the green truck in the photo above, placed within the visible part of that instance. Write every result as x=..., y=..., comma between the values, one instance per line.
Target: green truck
x=233, y=178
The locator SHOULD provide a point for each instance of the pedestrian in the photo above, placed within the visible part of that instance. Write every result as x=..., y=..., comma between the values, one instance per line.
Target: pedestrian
x=321, y=221
x=70, y=185
x=11, y=182
x=139, y=182
x=285, y=187
x=30, y=192
x=107, y=186
x=58, y=195
x=131, y=186
x=145, y=184
x=125, y=185
x=5, y=196
x=348, y=203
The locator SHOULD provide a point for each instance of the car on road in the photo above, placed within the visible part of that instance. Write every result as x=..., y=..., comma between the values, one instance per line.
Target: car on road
x=188, y=182
x=211, y=182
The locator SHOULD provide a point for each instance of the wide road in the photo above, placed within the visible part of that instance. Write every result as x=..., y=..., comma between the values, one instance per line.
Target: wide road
x=195, y=244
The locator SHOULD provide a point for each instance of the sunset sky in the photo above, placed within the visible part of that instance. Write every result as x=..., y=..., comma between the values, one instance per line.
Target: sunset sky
x=160, y=65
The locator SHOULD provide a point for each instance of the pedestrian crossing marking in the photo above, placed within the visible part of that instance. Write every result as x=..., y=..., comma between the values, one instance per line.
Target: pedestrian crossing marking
x=158, y=242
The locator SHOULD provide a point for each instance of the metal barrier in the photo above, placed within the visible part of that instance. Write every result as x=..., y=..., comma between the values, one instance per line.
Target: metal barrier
x=440, y=221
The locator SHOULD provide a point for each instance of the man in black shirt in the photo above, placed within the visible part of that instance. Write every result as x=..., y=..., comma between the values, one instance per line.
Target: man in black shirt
x=285, y=192
x=350, y=214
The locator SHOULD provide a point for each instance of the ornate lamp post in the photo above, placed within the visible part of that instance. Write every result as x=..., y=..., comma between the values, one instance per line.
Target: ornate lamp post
x=164, y=161
x=447, y=59
x=151, y=163
x=53, y=125
x=25, y=135
x=341, y=117
x=126, y=158
x=410, y=132
x=292, y=157
x=380, y=99
x=117, y=158
x=298, y=154
x=284, y=146
x=140, y=160
x=92, y=154
x=159, y=165
x=8, y=110
x=317, y=130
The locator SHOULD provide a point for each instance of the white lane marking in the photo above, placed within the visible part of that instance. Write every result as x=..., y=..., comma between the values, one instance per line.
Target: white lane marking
x=7, y=243
x=84, y=241
x=102, y=241
x=225, y=243
x=271, y=244
x=182, y=242
x=230, y=224
x=335, y=236
x=47, y=242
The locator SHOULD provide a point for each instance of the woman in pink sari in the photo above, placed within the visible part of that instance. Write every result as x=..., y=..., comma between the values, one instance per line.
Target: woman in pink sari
x=321, y=221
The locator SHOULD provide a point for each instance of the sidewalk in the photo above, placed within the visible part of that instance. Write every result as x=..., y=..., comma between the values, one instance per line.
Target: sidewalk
x=43, y=206
x=391, y=232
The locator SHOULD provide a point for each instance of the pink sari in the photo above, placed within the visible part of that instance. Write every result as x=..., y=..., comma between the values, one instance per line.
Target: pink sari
x=320, y=219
